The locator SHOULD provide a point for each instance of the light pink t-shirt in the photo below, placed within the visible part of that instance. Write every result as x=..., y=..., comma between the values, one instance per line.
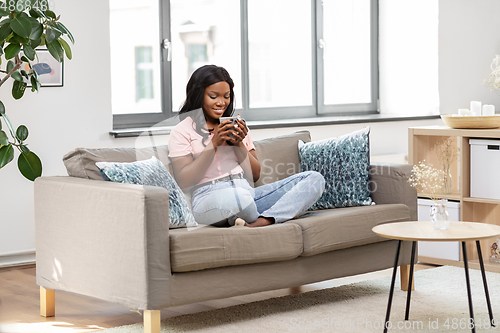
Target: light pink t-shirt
x=185, y=141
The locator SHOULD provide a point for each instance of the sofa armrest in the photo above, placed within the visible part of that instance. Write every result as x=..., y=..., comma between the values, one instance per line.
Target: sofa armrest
x=389, y=184
x=102, y=239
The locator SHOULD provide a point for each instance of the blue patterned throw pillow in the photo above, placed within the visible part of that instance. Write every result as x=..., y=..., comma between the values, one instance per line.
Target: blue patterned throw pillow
x=345, y=163
x=152, y=172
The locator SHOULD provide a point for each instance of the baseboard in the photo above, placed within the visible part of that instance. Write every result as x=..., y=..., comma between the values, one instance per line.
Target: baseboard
x=17, y=258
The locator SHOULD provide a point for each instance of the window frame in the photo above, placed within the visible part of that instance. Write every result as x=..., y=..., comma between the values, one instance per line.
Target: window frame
x=316, y=110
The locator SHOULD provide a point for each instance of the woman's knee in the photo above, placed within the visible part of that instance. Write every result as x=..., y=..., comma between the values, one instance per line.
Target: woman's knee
x=316, y=181
x=315, y=177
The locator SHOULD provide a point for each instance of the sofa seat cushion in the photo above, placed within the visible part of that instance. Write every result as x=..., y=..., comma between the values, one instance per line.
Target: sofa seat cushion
x=333, y=229
x=206, y=247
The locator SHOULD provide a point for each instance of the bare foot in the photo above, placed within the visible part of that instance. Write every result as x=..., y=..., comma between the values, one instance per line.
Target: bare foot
x=240, y=222
x=261, y=222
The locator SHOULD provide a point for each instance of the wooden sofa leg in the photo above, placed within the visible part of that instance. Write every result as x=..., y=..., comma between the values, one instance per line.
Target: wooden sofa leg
x=152, y=321
x=47, y=302
x=405, y=278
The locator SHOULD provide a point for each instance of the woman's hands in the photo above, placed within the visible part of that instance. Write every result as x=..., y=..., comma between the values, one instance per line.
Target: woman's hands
x=228, y=133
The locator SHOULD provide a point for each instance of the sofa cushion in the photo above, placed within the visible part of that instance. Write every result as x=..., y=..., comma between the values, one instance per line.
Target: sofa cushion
x=344, y=161
x=279, y=156
x=152, y=172
x=209, y=247
x=333, y=229
x=81, y=161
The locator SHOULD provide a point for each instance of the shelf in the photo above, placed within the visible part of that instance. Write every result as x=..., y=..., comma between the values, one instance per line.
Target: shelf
x=421, y=141
x=482, y=200
x=448, y=131
x=453, y=196
x=489, y=266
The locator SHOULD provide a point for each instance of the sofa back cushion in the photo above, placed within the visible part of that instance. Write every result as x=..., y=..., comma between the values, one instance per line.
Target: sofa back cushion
x=81, y=161
x=279, y=156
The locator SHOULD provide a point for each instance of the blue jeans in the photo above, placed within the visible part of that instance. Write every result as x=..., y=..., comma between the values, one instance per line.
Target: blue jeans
x=281, y=200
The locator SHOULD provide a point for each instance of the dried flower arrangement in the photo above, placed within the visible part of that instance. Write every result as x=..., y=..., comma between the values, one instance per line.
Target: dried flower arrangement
x=427, y=179
x=447, y=153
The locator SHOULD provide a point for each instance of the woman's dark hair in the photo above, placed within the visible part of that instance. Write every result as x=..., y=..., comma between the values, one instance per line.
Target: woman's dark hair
x=195, y=92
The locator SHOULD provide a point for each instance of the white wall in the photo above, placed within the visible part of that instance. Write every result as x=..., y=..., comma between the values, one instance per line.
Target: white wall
x=468, y=42
x=59, y=119
x=78, y=114
x=408, y=57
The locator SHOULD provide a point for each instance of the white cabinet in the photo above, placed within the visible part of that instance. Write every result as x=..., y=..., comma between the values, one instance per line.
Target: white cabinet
x=484, y=167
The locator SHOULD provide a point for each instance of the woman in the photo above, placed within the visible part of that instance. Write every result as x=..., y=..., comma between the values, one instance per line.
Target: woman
x=217, y=160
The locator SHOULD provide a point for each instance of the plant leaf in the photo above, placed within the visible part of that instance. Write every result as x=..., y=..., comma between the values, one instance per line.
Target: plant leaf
x=17, y=76
x=36, y=42
x=10, y=66
x=51, y=35
x=30, y=165
x=16, y=39
x=6, y=155
x=21, y=26
x=22, y=133
x=2, y=108
x=4, y=140
x=56, y=50
x=50, y=14
x=24, y=149
x=29, y=52
x=35, y=84
x=66, y=48
x=3, y=12
x=35, y=12
x=5, y=31
x=12, y=50
x=36, y=31
x=18, y=89
x=20, y=5
x=65, y=30
x=9, y=123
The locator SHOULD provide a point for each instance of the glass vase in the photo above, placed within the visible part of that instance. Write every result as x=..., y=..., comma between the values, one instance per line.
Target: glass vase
x=447, y=183
x=439, y=216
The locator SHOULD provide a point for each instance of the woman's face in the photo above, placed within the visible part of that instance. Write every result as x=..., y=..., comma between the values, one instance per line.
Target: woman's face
x=216, y=100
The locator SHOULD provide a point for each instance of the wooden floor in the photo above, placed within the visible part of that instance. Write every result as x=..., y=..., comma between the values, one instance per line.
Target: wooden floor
x=19, y=304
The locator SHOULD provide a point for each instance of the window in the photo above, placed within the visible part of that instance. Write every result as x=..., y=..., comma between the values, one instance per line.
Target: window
x=144, y=73
x=279, y=52
x=135, y=58
x=317, y=57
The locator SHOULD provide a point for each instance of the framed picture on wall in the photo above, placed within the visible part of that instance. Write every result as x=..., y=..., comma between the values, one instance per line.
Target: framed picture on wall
x=50, y=71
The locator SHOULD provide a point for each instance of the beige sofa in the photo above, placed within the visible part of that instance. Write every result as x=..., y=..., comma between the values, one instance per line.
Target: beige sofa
x=111, y=240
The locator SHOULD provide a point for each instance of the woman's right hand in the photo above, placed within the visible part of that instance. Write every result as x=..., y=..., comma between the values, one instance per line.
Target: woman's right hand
x=221, y=133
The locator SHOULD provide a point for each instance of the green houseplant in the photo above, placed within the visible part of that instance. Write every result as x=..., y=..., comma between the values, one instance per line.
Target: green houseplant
x=24, y=26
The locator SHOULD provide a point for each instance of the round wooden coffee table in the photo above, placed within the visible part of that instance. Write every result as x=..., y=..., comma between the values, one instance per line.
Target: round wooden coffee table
x=424, y=231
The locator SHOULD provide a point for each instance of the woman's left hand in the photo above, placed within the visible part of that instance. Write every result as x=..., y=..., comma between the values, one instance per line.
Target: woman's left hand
x=240, y=132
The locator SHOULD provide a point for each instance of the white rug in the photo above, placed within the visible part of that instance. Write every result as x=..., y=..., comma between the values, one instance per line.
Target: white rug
x=438, y=304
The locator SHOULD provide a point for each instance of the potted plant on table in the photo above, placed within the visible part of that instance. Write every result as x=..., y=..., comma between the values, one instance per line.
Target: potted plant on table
x=24, y=26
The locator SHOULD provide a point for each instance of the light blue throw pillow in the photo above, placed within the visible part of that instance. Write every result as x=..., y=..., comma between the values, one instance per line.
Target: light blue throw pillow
x=152, y=172
x=344, y=161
